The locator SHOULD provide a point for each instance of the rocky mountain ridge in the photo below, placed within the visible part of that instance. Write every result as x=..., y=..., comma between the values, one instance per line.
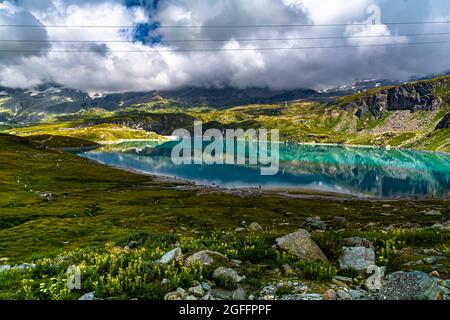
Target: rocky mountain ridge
x=419, y=96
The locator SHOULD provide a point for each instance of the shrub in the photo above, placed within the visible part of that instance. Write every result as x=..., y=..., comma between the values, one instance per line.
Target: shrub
x=318, y=271
x=225, y=283
x=149, y=239
x=284, y=290
x=331, y=244
x=92, y=210
x=349, y=272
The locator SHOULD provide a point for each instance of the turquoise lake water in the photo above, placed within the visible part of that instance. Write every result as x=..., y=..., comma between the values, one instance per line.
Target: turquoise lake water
x=348, y=170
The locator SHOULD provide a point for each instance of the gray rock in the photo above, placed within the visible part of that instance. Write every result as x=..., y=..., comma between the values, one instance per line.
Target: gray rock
x=431, y=260
x=418, y=263
x=343, y=295
x=358, y=258
x=445, y=283
x=197, y=291
x=206, y=286
x=46, y=195
x=340, y=220
x=287, y=270
x=132, y=244
x=345, y=280
x=314, y=223
x=444, y=290
x=5, y=268
x=87, y=296
x=207, y=297
x=304, y=296
x=330, y=295
x=357, y=294
x=269, y=290
x=169, y=257
x=414, y=285
x=301, y=245
x=442, y=226
x=431, y=252
x=357, y=242
x=433, y=213
x=235, y=263
x=254, y=226
x=24, y=266
x=180, y=294
x=207, y=258
x=239, y=294
x=222, y=294
x=227, y=273
x=190, y=298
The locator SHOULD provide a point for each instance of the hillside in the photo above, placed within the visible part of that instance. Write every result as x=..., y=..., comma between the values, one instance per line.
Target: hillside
x=48, y=101
x=414, y=115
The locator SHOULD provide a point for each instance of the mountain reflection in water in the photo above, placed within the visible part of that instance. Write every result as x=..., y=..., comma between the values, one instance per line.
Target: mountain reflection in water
x=351, y=170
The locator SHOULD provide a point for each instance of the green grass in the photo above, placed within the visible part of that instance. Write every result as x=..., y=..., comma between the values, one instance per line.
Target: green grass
x=61, y=142
x=438, y=140
x=124, y=202
x=95, y=133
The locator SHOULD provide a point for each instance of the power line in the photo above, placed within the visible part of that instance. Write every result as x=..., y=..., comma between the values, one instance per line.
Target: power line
x=222, y=49
x=224, y=26
x=224, y=40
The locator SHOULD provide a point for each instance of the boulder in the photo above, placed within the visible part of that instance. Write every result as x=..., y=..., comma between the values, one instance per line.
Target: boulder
x=169, y=257
x=240, y=294
x=304, y=296
x=433, y=213
x=357, y=242
x=314, y=223
x=222, y=294
x=180, y=294
x=357, y=254
x=445, y=283
x=345, y=280
x=227, y=273
x=414, y=285
x=330, y=295
x=357, y=294
x=358, y=258
x=206, y=286
x=197, y=291
x=343, y=295
x=24, y=266
x=5, y=268
x=207, y=258
x=254, y=227
x=133, y=244
x=301, y=245
x=87, y=296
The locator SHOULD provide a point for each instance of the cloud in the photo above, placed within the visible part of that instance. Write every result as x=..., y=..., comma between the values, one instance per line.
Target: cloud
x=15, y=51
x=108, y=68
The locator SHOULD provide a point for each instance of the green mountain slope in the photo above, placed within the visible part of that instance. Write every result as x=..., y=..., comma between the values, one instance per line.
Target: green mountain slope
x=414, y=115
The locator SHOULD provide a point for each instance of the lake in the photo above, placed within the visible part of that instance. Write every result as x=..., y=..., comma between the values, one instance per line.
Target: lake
x=357, y=171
